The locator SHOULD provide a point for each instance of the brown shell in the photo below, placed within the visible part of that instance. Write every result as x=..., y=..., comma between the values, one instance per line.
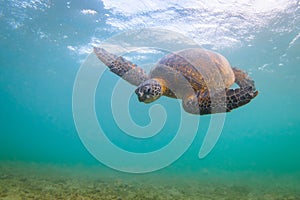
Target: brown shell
x=202, y=69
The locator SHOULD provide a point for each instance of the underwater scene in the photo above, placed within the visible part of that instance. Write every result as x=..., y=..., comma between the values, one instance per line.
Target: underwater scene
x=91, y=110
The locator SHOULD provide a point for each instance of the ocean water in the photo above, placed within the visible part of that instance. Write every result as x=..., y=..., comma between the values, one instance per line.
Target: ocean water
x=49, y=148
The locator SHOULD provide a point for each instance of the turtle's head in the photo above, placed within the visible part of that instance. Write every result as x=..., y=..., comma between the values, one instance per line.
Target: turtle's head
x=149, y=91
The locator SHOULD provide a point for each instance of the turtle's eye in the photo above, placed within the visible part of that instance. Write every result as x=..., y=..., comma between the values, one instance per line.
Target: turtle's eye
x=148, y=90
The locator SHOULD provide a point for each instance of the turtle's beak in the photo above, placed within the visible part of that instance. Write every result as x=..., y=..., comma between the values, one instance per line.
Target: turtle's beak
x=144, y=99
x=140, y=95
x=141, y=98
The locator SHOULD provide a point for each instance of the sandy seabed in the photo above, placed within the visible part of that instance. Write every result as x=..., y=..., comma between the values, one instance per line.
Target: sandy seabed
x=40, y=181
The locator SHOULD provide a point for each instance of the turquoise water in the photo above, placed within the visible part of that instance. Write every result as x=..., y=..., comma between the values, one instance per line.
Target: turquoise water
x=44, y=43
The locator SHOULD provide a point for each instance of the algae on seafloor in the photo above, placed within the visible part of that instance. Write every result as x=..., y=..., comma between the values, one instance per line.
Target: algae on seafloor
x=45, y=182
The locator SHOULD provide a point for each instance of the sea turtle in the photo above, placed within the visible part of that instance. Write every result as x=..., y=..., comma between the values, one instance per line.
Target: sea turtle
x=204, y=88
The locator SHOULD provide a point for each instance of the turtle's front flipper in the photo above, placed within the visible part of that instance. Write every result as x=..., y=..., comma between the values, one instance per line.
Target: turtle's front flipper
x=122, y=67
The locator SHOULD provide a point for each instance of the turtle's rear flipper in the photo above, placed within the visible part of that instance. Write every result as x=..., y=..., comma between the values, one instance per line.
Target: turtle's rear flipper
x=203, y=104
x=244, y=94
x=122, y=67
x=239, y=97
x=243, y=79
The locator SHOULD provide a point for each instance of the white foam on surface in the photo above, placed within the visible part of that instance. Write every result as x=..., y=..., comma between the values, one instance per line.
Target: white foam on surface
x=216, y=23
x=88, y=12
